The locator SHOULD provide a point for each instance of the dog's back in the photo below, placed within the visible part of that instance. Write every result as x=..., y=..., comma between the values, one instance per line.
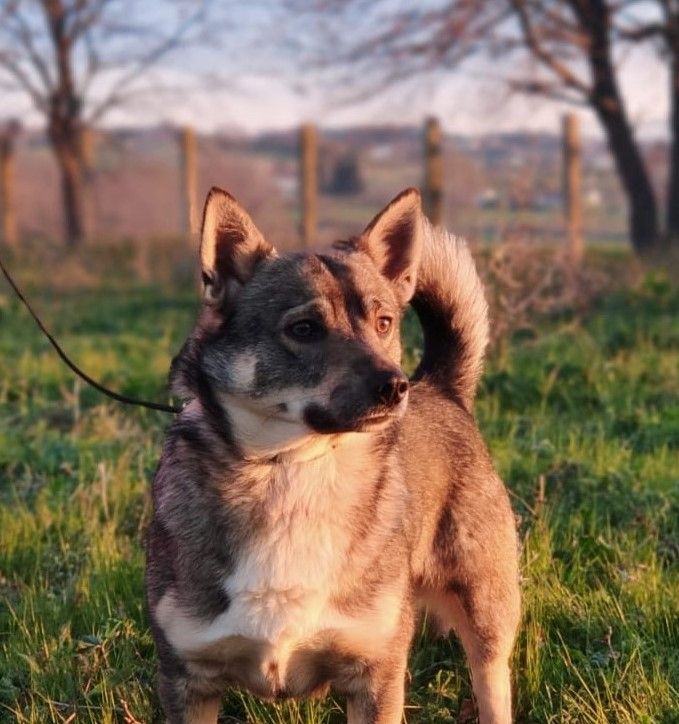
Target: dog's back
x=307, y=502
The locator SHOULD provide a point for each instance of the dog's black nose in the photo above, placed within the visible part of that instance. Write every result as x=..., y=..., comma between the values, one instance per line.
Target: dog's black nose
x=392, y=390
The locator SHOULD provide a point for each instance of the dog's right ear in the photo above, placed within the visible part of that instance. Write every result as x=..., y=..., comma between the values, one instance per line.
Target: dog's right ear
x=231, y=246
x=393, y=240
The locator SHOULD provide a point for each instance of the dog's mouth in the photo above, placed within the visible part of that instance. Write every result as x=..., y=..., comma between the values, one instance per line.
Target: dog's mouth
x=377, y=417
x=322, y=420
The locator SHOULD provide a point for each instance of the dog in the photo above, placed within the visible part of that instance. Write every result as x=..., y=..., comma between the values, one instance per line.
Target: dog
x=311, y=500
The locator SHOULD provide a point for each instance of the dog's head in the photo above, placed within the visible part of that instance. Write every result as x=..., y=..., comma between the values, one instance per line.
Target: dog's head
x=302, y=344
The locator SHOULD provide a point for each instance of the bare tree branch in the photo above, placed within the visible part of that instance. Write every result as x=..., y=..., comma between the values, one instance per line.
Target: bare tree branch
x=23, y=80
x=144, y=63
x=553, y=91
x=78, y=59
x=574, y=46
x=25, y=37
x=549, y=60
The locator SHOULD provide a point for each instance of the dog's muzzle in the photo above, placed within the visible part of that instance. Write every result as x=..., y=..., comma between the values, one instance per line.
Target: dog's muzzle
x=361, y=405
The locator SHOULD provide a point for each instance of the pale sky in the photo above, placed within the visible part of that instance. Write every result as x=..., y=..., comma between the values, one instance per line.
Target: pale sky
x=468, y=101
x=471, y=100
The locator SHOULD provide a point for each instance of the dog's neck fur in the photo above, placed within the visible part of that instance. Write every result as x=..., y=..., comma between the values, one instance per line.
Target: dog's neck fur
x=306, y=447
x=325, y=488
x=273, y=438
x=258, y=441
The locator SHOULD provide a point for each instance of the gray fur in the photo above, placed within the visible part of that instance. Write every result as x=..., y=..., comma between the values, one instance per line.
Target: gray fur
x=419, y=517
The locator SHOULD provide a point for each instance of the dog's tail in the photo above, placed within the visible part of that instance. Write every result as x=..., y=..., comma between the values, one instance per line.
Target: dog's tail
x=453, y=311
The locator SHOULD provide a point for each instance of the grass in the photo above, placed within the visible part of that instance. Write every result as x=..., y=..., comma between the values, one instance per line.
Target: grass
x=586, y=410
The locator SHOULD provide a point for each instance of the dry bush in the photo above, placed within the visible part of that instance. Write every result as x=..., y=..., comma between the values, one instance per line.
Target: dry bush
x=525, y=282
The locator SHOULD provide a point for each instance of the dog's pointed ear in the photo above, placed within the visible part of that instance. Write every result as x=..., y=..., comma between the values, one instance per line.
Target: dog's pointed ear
x=231, y=246
x=393, y=240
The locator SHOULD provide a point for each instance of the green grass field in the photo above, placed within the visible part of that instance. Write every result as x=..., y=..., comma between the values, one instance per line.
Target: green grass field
x=590, y=407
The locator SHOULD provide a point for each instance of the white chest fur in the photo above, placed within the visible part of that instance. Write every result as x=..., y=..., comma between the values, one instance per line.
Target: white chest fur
x=282, y=583
x=286, y=577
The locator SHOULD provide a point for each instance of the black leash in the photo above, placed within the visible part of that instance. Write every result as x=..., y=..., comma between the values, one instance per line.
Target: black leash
x=73, y=367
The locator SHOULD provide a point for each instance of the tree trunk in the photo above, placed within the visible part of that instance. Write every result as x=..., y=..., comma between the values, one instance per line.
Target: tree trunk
x=65, y=138
x=72, y=195
x=606, y=101
x=65, y=122
x=673, y=180
x=643, y=210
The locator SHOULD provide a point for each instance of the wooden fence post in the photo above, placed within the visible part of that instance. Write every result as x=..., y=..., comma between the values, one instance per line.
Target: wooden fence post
x=88, y=152
x=188, y=175
x=8, y=220
x=433, y=171
x=308, y=182
x=572, y=172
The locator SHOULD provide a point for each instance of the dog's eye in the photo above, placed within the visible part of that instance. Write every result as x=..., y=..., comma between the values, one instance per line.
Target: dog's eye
x=384, y=325
x=305, y=330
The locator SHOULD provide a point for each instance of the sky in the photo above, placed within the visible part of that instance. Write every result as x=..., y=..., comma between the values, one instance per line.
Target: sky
x=470, y=100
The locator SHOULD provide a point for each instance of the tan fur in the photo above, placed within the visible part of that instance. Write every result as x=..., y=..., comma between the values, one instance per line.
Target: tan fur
x=310, y=501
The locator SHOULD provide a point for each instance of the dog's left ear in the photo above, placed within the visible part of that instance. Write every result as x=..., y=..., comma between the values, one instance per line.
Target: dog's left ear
x=231, y=246
x=393, y=240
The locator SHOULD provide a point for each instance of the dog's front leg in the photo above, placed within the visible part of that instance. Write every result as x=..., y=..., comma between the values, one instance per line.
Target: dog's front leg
x=203, y=711
x=183, y=704
x=379, y=699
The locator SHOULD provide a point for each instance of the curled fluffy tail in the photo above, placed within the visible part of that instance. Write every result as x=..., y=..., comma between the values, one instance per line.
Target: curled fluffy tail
x=450, y=302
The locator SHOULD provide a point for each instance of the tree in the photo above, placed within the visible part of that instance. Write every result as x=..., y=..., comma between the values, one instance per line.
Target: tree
x=78, y=59
x=573, y=47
